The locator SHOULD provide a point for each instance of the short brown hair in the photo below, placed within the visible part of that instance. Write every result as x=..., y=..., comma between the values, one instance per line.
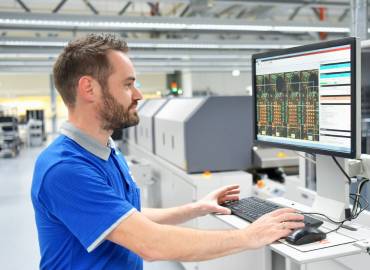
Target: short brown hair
x=81, y=57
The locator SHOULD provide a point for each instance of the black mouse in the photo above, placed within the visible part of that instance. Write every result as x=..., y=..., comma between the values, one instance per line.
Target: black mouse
x=305, y=235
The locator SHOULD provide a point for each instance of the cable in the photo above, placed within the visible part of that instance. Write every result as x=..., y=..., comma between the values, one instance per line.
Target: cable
x=336, y=229
x=325, y=216
x=342, y=170
x=362, y=183
x=358, y=195
x=328, y=218
x=356, y=202
x=357, y=208
x=356, y=214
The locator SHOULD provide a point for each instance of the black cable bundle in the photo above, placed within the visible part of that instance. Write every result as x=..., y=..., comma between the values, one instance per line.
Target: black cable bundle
x=357, y=208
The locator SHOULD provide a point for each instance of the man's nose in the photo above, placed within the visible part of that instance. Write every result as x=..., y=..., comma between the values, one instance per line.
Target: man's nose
x=137, y=94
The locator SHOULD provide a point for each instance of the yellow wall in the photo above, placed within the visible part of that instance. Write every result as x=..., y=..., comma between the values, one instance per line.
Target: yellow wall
x=23, y=103
x=19, y=105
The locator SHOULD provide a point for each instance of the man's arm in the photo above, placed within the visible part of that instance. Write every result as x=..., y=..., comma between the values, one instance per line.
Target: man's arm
x=153, y=241
x=208, y=204
x=173, y=215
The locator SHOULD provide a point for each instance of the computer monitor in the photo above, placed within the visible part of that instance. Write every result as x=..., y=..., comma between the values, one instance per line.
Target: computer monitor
x=307, y=98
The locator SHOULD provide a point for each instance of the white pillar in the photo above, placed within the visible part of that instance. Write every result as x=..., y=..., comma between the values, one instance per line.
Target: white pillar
x=359, y=19
x=186, y=80
x=53, y=105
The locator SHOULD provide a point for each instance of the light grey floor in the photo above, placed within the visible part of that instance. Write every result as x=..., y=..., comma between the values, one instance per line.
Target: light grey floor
x=18, y=237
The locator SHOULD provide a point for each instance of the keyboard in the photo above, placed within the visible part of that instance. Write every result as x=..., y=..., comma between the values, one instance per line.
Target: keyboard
x=252, y=208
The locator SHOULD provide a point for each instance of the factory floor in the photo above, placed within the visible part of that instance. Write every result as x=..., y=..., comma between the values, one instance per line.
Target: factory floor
x=19, y=245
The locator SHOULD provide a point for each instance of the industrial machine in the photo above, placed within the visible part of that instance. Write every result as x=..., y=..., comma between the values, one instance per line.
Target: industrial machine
x=34, y=132
x=130, y=134
x=145, y=130
x=9, y=136
x=206, y=134
x=187, y=147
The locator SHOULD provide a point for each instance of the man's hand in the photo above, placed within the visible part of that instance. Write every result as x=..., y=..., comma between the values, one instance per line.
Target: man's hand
x=211, y=202
x=272, y=227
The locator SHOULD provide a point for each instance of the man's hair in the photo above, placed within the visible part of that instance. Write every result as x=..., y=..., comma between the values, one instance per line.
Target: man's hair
x=85, y=56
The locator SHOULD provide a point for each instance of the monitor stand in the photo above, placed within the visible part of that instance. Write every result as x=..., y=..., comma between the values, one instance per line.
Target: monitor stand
x=332, y=188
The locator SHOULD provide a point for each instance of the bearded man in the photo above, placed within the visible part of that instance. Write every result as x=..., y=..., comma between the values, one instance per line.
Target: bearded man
x=87, y=206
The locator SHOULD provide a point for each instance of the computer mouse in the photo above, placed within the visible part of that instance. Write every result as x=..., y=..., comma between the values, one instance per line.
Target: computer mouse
x=305, y=235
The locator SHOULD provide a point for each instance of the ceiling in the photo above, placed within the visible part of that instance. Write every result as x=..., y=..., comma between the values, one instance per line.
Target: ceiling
x=197, y=35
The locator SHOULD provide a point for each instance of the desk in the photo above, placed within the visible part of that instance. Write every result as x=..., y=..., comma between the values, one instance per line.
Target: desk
x=296, y=257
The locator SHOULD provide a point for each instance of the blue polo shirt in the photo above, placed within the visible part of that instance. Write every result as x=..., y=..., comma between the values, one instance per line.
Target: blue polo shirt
x=81, y=191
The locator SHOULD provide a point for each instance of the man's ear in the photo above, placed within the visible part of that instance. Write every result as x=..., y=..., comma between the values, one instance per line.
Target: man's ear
x=87, y=88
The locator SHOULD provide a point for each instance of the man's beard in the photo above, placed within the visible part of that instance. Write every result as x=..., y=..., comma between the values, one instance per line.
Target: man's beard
x=113, y=115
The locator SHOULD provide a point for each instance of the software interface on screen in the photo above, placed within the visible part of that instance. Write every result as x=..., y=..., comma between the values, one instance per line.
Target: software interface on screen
x=304, y=99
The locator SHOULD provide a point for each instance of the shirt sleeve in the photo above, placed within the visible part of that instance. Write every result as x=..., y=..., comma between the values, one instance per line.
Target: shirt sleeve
x=80, y=197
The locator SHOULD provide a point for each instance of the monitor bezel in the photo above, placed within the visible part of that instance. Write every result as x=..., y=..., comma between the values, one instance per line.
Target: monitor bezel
x=355, y=95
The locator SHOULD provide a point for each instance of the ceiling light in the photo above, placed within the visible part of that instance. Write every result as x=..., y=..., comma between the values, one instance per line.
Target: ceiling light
x=158, y=45
x=96, y=25
x=117, y=23
x=29, y=43
x=311, y=29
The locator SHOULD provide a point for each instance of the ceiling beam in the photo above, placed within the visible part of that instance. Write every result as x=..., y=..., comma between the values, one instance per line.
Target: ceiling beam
x=33, y=21
x=23, y=5
x=311, y=3
x=139, y=69
x=185, y=10
x=295, y=13
x=123, y=10
x=292, y=3
x=91, y=7
x=343, y=15
x=154, y=9
x=226, y=11
x=145, y=65
x=59, y=6
x=42, y=43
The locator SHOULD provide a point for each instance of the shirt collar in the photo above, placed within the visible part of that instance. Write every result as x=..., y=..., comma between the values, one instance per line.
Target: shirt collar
x=87, y=142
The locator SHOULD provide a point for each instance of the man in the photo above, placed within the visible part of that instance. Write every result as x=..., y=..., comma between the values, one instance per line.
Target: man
x=87, y=206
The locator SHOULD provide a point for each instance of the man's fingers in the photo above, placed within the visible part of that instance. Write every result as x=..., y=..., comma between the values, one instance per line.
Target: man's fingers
x=285, y=233
x=291, y=225
x=281, y=211
x=229, y=188
x=225, y=189
x=233, y=191
x=229, y=198
x=289, y=217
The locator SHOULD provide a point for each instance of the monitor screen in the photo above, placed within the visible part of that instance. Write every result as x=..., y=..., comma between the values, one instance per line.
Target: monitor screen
x=305, y=98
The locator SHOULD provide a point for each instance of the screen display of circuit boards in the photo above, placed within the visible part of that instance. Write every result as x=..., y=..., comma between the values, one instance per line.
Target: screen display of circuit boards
x=304, y=98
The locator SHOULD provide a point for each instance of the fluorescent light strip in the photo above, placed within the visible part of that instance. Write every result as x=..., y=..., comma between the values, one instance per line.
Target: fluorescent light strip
x=136, y=63
x=209, y=46
x=204, y=69
x=187, y=56
x=311, y=29
x=196, y=64
x=132, y=56
x=25, y=63
x=27, y=55
x=29, y=43
x=169, y=26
